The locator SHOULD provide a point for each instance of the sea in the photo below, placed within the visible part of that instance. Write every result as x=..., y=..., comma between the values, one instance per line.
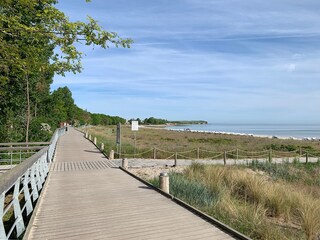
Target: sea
x=296, y=131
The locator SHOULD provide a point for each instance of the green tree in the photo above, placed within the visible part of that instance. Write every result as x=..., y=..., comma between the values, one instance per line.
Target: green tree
x=37, y=41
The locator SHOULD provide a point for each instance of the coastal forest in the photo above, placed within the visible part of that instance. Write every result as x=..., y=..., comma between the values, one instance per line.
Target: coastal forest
x=38, y=41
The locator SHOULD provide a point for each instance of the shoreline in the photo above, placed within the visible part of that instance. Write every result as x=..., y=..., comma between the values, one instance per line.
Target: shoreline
x=240, y=134
x=167, y=127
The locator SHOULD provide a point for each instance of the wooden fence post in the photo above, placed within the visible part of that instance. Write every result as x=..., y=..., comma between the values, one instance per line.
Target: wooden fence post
x=300, y=150
x=225, y=158
x=154, y=153
x=198, y=153
x=176, y=159
x=270, y=155
x=95, y=141
x=307, y=157
x=102, y=146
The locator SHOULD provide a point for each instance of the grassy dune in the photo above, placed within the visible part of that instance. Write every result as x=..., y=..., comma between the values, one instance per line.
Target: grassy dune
x=258, y=204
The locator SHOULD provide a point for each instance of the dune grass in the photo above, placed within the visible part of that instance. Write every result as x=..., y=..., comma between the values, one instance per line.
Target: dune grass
x=254, y=203
x=173, y=141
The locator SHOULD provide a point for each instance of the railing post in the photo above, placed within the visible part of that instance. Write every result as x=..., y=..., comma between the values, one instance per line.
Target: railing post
x=90, y=137
x=176, y=159
x=87, y=134
x=17, y=209
x=125, y=163
x=2, y=230
x=198, y=153
x=102, y=146
x=26, y=192
x=34, y=188
x=225, y=157
x=11, y=159
x=95, y=141
x=164, y=182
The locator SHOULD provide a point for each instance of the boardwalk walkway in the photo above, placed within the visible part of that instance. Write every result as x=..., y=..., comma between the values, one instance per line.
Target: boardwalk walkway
x=87, y=197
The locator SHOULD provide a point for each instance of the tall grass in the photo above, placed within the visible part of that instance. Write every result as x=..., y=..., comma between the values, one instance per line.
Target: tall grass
x=252, y=202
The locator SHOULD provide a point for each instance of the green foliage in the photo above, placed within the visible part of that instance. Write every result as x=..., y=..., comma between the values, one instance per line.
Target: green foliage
x=102, y=119
x=191, y=191
x=37, y=133
x=282, y=147
x=211, y=140
x=297, y=172
x=155, y=121
x=36, y=42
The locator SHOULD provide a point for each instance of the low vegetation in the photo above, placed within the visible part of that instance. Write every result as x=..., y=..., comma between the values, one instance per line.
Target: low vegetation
x=173, y=141
x=258, y=203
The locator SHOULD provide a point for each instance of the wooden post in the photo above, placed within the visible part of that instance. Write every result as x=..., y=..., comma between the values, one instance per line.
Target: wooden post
x=164, y=182
x=225, y=158
x=87, y=134
x=102, y=146
x=176, y=160
x=95, y=141
x=237, y=154
x=307, y=157
x=154, y=153
x=198, y=153
x=90, y=137
x=111, y=155
x=270, y=156
x=300, y=151
x=125, y=163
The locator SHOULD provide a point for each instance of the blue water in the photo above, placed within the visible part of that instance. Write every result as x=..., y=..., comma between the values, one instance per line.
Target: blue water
x=279, y=130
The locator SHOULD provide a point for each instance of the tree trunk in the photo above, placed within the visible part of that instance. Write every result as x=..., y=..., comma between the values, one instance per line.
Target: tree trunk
x=28, y=109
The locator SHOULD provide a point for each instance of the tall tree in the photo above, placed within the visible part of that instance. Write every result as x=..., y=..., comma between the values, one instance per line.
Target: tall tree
x=37, y=41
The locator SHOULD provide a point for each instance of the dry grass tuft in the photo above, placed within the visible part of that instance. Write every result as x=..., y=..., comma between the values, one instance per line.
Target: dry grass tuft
x=259, y=206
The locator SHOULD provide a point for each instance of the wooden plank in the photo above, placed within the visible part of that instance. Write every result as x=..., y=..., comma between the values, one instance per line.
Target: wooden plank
x=86, y=199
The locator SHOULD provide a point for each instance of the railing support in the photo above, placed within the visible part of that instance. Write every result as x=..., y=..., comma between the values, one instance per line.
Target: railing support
x=32, y=171
x=27, y=196
x=2, y=230
x=225, y=158
x=17, y=209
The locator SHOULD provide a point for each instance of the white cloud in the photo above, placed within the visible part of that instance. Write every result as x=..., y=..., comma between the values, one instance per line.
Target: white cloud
x=254, y=60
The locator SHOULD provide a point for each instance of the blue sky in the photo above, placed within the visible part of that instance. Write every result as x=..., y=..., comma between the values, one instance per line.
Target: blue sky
x=224, y=61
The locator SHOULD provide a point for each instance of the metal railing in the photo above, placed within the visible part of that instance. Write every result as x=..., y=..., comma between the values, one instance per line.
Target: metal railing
x=20, y=188
x=15, y=153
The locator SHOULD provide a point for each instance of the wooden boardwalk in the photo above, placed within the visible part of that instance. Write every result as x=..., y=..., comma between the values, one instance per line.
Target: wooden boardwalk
x=87, y=197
